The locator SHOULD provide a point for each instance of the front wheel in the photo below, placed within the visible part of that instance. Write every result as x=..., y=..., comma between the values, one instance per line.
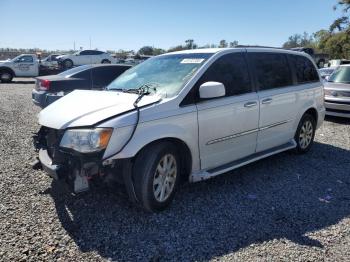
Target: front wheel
x=156, y=174
x=6, y=76
x=105, y=61
x=305, y=133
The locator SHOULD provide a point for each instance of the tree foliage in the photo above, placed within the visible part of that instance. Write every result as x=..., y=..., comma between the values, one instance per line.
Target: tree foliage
x=335, y=41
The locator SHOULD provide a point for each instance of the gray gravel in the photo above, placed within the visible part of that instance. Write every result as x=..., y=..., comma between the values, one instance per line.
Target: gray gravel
x=286, y=207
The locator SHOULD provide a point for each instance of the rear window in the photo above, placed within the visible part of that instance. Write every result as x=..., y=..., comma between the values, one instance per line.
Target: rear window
x=75, y=70
x=272, y=70
x=304, y=69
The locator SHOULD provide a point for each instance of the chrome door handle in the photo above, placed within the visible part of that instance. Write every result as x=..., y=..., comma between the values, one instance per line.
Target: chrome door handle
x=266, y=101
x=250, y=104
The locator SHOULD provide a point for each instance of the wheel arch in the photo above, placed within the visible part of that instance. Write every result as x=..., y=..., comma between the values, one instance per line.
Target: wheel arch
x=183, y=151
x=313, y=112
x=4, y=68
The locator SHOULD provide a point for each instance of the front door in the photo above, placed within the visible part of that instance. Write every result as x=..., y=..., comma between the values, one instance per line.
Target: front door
x=26, y=66
x=228, y=125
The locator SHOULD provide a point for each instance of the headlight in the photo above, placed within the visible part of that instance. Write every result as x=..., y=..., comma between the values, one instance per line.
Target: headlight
x=86, y=140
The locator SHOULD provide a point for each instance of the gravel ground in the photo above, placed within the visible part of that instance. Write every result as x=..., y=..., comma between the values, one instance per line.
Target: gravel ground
x=286, y=207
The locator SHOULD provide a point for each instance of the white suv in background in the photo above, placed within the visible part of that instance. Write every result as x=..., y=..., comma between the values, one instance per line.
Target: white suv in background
x=84, y=57
x=183, y=116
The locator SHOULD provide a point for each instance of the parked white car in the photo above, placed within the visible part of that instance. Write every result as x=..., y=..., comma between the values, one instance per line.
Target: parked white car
x=183, y=116
x=50, y=62
x=25, y=65
x=85, y=57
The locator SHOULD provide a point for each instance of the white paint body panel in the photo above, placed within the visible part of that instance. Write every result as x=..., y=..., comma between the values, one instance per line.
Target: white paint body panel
x=23, y=69
x=86, y=59
x=222, y=118
x=199, y=126
x=85, y=108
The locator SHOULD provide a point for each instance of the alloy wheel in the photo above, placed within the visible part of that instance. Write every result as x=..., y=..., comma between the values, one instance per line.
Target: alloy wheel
x=164, y=178
x=305, y=135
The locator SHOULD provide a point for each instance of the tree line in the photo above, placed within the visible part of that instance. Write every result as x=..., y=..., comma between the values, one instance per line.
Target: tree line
x=334, y=41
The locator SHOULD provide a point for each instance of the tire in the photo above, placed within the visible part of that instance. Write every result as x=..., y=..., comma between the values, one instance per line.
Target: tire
x=305, y=134
x=105, y=61
x=67, y=64
x=154, y=189
x=6, y=76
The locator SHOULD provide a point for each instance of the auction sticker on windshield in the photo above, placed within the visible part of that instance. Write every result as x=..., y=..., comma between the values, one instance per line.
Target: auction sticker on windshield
x=192, y=61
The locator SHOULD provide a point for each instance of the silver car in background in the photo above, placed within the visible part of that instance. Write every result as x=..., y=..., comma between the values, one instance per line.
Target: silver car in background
x=337, y=92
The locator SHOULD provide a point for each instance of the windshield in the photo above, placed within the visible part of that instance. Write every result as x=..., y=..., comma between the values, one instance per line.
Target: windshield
x=341, y=75
x=75, y=70
x=166, y=74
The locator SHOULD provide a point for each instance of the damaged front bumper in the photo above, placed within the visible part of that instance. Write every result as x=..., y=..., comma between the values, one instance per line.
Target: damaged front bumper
x=79, y=170
x=60, y=172
x=73, y=168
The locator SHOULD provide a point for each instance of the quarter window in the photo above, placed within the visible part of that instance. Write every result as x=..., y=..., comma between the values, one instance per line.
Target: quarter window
x=272, y=70
x=304, y=69
x=232, y=71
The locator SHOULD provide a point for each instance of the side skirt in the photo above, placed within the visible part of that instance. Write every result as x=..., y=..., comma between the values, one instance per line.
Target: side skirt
x=206, y=174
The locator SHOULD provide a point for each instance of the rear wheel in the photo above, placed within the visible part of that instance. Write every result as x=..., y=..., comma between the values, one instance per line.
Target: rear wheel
x=156, y=174
x=305, y=133
x=6, y=76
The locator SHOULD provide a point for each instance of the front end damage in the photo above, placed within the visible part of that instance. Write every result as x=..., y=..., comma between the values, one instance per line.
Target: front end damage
x=77, y=170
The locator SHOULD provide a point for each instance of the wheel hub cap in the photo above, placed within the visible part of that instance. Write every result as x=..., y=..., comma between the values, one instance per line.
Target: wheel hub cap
x=305, y=135
x=164, y=178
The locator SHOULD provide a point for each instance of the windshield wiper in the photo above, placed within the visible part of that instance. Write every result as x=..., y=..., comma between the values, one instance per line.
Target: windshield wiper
x=143, y=90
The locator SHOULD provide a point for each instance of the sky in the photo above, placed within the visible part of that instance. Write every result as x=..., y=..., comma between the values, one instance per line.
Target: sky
x=131, y=24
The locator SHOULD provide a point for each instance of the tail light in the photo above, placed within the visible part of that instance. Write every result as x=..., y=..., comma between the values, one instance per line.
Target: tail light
x=44, y=84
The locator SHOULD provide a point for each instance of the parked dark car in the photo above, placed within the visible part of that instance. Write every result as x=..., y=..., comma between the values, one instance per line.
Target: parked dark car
x=87, y=77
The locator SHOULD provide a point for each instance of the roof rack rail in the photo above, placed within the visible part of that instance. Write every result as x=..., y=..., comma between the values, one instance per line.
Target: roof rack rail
x=259, y=46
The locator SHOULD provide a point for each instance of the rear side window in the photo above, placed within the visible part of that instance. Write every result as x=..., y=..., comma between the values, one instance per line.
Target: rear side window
x=104, y=75
x=304, y=69
x=271, y=69
x=86, y=75
x=232, y=71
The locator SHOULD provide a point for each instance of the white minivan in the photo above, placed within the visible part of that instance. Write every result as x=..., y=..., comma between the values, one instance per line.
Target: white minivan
x=182, y=116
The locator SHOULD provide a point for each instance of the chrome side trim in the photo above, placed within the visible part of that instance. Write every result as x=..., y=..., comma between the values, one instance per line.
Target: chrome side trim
x=217, y=140
x=275, y=124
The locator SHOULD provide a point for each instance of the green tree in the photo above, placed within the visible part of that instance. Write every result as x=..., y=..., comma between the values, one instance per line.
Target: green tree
x=233, y=43
x=223, y=44
x=298, y=40
x=189, y=43
x=145, y=50
x=342, y=22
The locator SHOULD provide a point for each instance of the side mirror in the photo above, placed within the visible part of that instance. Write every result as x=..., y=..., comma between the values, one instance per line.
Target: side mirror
x=211, y=90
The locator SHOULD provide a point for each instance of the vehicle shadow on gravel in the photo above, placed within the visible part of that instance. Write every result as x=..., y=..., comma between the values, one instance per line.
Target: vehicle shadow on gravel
x=285, y=197
x=20, y=82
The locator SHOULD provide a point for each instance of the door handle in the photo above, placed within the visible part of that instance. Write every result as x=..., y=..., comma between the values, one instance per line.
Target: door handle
x=250, y=104
x=266, y=101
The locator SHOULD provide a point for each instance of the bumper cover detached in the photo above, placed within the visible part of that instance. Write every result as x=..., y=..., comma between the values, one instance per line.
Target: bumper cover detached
x=60, y=172
x=54, y=171
x=79, y=171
